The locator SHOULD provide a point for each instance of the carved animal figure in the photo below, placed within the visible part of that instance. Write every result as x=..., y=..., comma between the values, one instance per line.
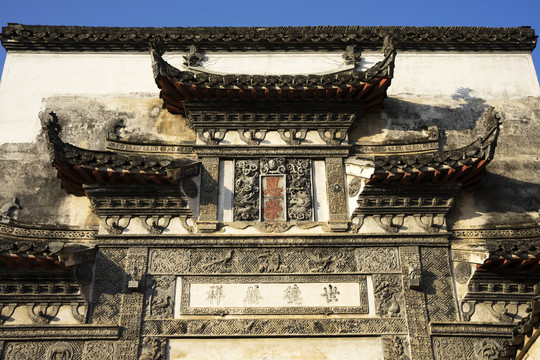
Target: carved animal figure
x=225, y=261
x=161, y=306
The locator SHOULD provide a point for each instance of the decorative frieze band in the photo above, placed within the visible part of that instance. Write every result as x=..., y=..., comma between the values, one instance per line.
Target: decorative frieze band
x=274, y=260
x=273, y=327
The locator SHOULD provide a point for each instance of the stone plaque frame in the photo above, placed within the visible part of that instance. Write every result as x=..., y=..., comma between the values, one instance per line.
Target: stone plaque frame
x=185, y=308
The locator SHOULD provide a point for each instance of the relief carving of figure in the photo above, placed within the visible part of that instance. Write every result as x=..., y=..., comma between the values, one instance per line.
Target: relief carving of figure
x=269, y=262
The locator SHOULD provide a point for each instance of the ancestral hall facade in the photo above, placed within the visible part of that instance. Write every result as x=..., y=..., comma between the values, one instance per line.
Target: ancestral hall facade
x=269, y=193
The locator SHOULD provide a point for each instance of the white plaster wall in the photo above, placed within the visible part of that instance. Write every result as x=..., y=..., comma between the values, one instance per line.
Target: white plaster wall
x=489, y=75
x=276, y=63
x=29, y=77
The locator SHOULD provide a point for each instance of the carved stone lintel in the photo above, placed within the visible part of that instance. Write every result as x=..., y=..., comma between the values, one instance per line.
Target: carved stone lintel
x=333, y=136
x=390, y=226
x=155, y=224
x=211, y=136
x=255, y=136
x=293, y=136
x=115, y=224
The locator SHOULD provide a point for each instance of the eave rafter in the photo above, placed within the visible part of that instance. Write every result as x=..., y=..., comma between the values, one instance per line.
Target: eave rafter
x=79, y=167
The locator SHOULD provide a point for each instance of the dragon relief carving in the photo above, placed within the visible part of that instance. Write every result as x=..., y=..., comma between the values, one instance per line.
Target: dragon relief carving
x=246, y=190
x=299, y=189
x=329, y=263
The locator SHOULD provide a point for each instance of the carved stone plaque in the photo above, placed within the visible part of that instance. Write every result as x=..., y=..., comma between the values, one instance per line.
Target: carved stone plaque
x=273, y=295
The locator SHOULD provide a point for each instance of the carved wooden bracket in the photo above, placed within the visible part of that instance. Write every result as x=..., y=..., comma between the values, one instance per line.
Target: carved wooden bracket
x=116, y=224
x=432, y=225
x=42, y=313
x=79, y=311
x=211, y=136
x=6, y=310
x=254, y=137
x=333, y=136
x=155, y=224
x=388, y=224
x=467, y=309
x=357, y=222
x=293, y=136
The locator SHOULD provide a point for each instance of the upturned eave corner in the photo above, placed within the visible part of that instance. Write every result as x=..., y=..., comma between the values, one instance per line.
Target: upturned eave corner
x=465, y=165
x=79, y=167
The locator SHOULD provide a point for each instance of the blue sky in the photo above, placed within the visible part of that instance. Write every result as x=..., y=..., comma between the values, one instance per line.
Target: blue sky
x=272, y=13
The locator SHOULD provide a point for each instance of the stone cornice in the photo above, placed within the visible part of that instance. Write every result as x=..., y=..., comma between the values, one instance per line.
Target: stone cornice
x=77, y=38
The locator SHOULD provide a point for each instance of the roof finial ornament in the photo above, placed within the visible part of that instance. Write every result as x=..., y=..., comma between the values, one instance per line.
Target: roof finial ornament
x=157, y=45
x=194, y=57
x=350, y=56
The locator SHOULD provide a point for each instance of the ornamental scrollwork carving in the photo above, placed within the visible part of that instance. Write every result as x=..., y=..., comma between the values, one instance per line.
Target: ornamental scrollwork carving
x=487, y=350
x=42, y=313
x=246, y=190
x=377, y=260
x=211, y=136
x=299, y=189
x=388, y=295
x=153, y=349
x=431, y=223
x=292, y=136
x=395, y=348
x=156, y=224
x=462, y=272
x=333, y=136
x=115, y=224
x=252, y=136
x=389, y=223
